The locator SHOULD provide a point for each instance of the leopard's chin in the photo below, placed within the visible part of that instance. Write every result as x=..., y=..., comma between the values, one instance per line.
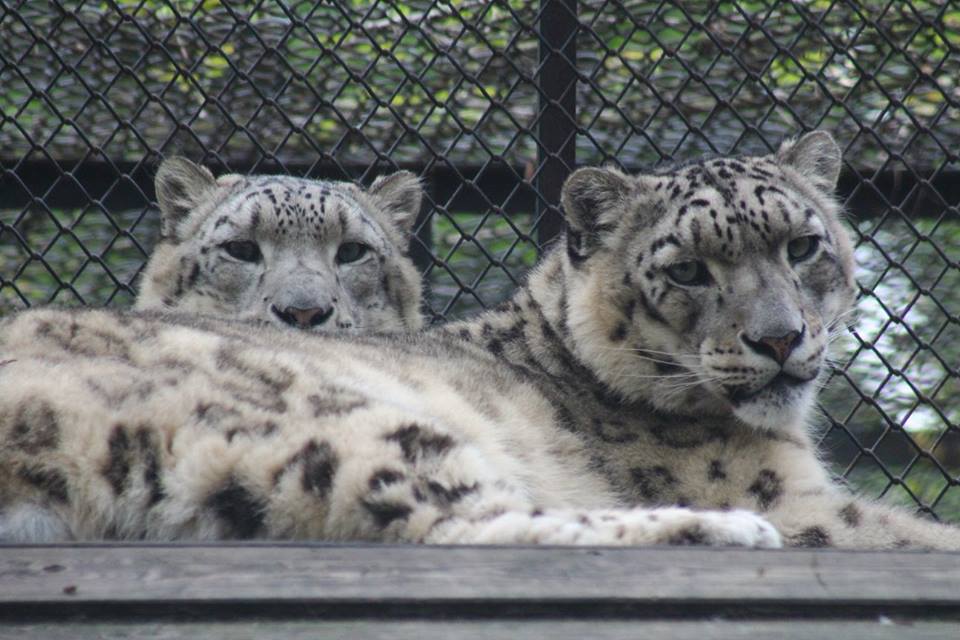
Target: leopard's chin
x=782, y=403
x=782, y=386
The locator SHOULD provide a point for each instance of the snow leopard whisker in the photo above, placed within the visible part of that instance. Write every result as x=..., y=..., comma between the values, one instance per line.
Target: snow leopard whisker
x=694, y=361
x=640, y=351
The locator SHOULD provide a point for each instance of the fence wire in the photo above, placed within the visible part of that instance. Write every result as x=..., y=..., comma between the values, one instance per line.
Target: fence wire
x=493, y=103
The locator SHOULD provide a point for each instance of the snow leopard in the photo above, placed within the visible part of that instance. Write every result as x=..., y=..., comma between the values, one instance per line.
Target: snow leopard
x=682, y=333
x=151, y=426
x=309, y=254
x=651, y=382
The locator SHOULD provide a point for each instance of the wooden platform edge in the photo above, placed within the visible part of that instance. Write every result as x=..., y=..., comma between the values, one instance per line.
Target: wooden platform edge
x=323, y=581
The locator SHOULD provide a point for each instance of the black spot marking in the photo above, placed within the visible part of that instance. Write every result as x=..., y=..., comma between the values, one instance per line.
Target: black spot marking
x=117, y=467
x=238, y=508
x=660, y=243
x=213, y=414
x=651, y=311
x=614, y=431
x=260, y=387
x=851, y=515
x=688, y=536
x=151, y=465
x=335, y=401
x=383, y=478
x=175, y=190
x=384, y=513
x=619, y=332
x=417, y=442
x=758, y=192
x=715, y=471
x=194, y=274
x=124, y=452
x=813, y=537
x=686, y=437
x=53, y=483
x=318, y=463
x=35, y=428
x=652, y=482
x=667, y=366
x=262, y=430
x=767, y=488
x=319, y=467
x=449, y=495
x=696, y=231
x=575, y=248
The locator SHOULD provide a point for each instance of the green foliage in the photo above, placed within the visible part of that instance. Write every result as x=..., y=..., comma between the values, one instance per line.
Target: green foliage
x=481, y=260
x=70, y=258
x=418, y=79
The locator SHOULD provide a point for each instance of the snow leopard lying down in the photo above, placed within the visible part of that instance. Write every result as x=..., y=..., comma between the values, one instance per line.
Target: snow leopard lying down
x=325, y=256
x=662, y=361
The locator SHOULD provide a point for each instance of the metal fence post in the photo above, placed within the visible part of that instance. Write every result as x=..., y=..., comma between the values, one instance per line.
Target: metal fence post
x=556, y=128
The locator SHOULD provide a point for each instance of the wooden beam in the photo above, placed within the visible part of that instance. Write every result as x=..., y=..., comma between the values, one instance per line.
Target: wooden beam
x=282, y=581
x=881, y=629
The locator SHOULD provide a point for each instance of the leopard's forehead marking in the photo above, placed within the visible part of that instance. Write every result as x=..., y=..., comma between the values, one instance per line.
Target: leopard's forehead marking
x=287, y=206
x=727, y=208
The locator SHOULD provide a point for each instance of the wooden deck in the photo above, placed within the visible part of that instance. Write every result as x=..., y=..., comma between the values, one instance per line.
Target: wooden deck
x=399, y=592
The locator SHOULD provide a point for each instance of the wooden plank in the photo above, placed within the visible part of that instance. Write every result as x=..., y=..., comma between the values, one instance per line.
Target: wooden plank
x=882, y=629
x=352, y=581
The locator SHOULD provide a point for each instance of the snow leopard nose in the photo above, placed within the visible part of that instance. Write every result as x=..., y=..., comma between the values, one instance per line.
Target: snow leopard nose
x=778, y=348
x=303, y=318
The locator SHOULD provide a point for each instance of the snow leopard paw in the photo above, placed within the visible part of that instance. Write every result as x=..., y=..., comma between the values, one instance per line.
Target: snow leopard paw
x=737, y=528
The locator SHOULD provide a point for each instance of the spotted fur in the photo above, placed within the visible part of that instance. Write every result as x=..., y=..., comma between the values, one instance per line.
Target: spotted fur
x=701, y=393
x=271, y=248
x=197, y=428
x=585, y=410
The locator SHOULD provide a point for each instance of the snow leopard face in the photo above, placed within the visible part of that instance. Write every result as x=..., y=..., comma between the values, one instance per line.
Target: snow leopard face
x=315, y=255
x=713, y=287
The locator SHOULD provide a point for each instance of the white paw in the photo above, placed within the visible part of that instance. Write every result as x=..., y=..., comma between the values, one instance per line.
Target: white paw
x=737, y=528
x=31, y=523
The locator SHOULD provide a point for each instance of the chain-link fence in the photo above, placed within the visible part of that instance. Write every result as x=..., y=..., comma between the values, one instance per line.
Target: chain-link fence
x=494, y=103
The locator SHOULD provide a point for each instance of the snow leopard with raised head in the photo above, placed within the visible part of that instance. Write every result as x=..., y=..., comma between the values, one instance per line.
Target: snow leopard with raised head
x=316, y=255
x=683, y=336
x=662, y=360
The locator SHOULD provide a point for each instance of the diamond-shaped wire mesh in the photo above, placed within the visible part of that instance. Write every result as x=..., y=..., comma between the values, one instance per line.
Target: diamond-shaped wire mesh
x=493, y=103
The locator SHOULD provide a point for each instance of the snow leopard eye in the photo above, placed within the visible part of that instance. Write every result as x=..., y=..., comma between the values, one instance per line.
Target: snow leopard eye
x=245, y=250
x=351, y=252
x=801, y=248
x=691, y=273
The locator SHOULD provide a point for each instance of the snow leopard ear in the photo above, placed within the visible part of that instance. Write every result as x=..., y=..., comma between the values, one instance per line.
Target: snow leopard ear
x=593, y=200
x=399, y=195
x=180, y=185
x=815, y=156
